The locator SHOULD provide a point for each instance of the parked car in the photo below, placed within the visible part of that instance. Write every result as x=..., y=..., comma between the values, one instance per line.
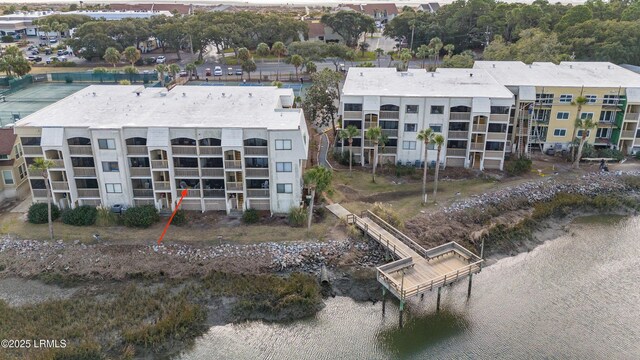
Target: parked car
x=207, y=72
x=183, y=73
x=62, y=58
x=53, y=40
x=229, y=71
x=34, y=58
x=161, y=59
x=47, y=51
x=60, y=52
x=217, y=71
x=52, y=59
x=35, y=52
x=239, y=72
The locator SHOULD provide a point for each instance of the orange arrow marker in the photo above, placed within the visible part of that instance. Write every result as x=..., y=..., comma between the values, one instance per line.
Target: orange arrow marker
x=184, y=193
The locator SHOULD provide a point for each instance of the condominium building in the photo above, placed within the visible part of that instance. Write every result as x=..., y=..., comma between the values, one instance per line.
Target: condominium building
x=12, y=167
x=231, y=148
x=545, y=103
x=467, y=106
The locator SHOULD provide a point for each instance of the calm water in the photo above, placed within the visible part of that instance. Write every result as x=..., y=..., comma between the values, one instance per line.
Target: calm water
x=574, y=297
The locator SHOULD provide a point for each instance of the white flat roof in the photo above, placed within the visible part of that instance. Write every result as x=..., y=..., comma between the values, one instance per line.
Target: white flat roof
x=567, y=73
x=118, y=106
x=454, y=83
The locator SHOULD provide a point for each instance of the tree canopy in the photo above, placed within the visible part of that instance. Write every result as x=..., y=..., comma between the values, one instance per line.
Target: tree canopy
x=350, y=25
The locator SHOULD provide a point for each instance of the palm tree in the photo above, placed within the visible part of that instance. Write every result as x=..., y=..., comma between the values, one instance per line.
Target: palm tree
x=449, y=49
x=349, y=133
x=174, y=69
x=263, y=50
x=438, y=141
x=43, y=165
x=585, y=125
x=374, y=134
x=191, y=68
x=426, y=136
x=131, y=54
x=580, y=100
x=297, y=61
x=278, y=49
x=379, y=52
x=112, y=56
x=405, y=55
x=318, y=178
x=162, y=69
x=364, y=46
x=422, y=52
x=384, y=139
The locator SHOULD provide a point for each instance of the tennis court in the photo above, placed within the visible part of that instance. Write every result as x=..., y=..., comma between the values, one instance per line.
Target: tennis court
x=17, y=105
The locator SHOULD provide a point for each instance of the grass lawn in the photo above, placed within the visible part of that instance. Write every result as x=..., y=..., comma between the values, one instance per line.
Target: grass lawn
x=368, y=56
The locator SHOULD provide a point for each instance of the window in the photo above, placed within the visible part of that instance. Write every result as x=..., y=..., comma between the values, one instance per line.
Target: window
x=544, y=98
x=255, y=142
x=22, y=170
x=500, y=109
x=410, y=127
x=352, y=107
x=284, y=188
x=108, y=144
x=497, y=128
x=541, y=115
x=603, y=133
x=110, y=166
x=283, y=167
x=586, y=115
x=611, y=100
x=4, y=157
x=283, y=144
x=607, y=116
x=562, y=115
x=566, y=98
x=579, y=134
x=560, y=132
x=18, y=150
x=412, y=109
x=114, y=188
x=437, y=109
x=408, y=145
x=591, y=99
x=7, y=176
x=436, y=128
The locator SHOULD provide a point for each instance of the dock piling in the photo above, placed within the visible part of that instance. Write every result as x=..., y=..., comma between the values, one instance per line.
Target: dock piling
x=384, y=299
x=401, y=311
x=469, y=290
x=438, y=302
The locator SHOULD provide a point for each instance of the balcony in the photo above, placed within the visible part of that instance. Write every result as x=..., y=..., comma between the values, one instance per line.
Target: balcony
x=455, y=134
x=57, y=163
x=493, y=154
x=499, y=117
x=186, y=172
x=161, y=185
x=389, y=115
x=140, y=171
x=234, y=186
x=258, y=193
x=159, y=164
x=213, y=193
x=137, y=150
x=140, y=202
x=631, y=116
x=212, y=172
x=59, y=185
x=352, y=115
x=88, y=193
x=80, y=150
x=84, y=172
x=477, y=146
x=370, y=124
x=543, y=120
x=479, y=128
x=39, y=193
x=35, y=173
x=627, y=134
x=390, y=132
x=460, y=116
x=456, y=152
x=142, y=193
x=389, y=150
x=233, y=164
x=32, y=150
x=257, y=172
x=184, y=150
x=496, y=136
x=192, y=193
x=609, y=122
x=255, y=150
x=210, y=150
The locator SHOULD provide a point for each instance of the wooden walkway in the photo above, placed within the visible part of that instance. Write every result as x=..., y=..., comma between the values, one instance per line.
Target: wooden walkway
x=417, y=269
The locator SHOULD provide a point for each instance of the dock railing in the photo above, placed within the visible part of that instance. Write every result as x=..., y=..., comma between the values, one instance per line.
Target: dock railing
x=376, y=235
x=393, y=231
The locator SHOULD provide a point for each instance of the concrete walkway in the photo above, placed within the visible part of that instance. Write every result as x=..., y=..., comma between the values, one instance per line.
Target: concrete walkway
x=324, y=151
x=338, y=210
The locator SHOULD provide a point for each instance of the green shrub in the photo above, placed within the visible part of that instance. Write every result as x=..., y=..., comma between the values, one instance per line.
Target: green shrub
x=64, y=64
x=402, y=170
x=519, y=166
x=38, y=213
x=631, y=181
x=588, y=151
x=250, y=216
x=105, y=217
x=68, y=79
x=180, y=218
x=638, y=155
x=611, y=153
x=141, y=216
x=297, y=217
x=7, y=39
x=80, y=216
x=387, y=214
x=343, y=158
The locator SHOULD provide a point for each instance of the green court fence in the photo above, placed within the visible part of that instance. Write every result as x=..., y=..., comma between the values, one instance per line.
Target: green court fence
x=104, y=77
x=15, y=84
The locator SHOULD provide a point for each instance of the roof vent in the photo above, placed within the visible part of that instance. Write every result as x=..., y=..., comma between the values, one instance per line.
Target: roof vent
x=163, y=93
x=184, y=94
x=361, y=74
x=137, y=93
x=609, y=67
x=529, y=66
x=433, y=74
x=250, y=95
x=493, y=65
x=94, y=94
x=223, y=94
x=570, y=66
x=470, y=74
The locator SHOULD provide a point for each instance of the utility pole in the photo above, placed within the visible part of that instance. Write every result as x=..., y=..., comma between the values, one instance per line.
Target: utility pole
x=487, y=37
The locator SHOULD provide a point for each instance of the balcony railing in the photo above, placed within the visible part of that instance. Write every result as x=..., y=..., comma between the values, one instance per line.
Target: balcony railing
x=499, y=117
x=80, y=150
x=456, y=152
x=84, y=171
x=160, y=164
x=389, y=114
x=390, y=132
x=352, y=115
x=543, y=120
x=37, y=173
x=493, y=154
x=234, y=186
x=140, y=171
x=39, y=193
x=233, y=164
x=255, y=150
x=460, y=116
x=496, y=136
x=210, y=150
x=254, y=172
x=161, y=185
x=389, y=150
x=370, y=124
x=479, y=128
x=57, y=163
x=143, y=193
x=631, y=116
x=607, y=122
x=455, y=134
x=188, y=172
x=88, y=193
x=213, y=193
x=628, y=134
x=192, y=193
x=258, y=193
x=212, y=172
x=137, y=150
x=59, y=185
x=32, y=150
x=184, y=150
x=140, y=202
x=477, y=146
